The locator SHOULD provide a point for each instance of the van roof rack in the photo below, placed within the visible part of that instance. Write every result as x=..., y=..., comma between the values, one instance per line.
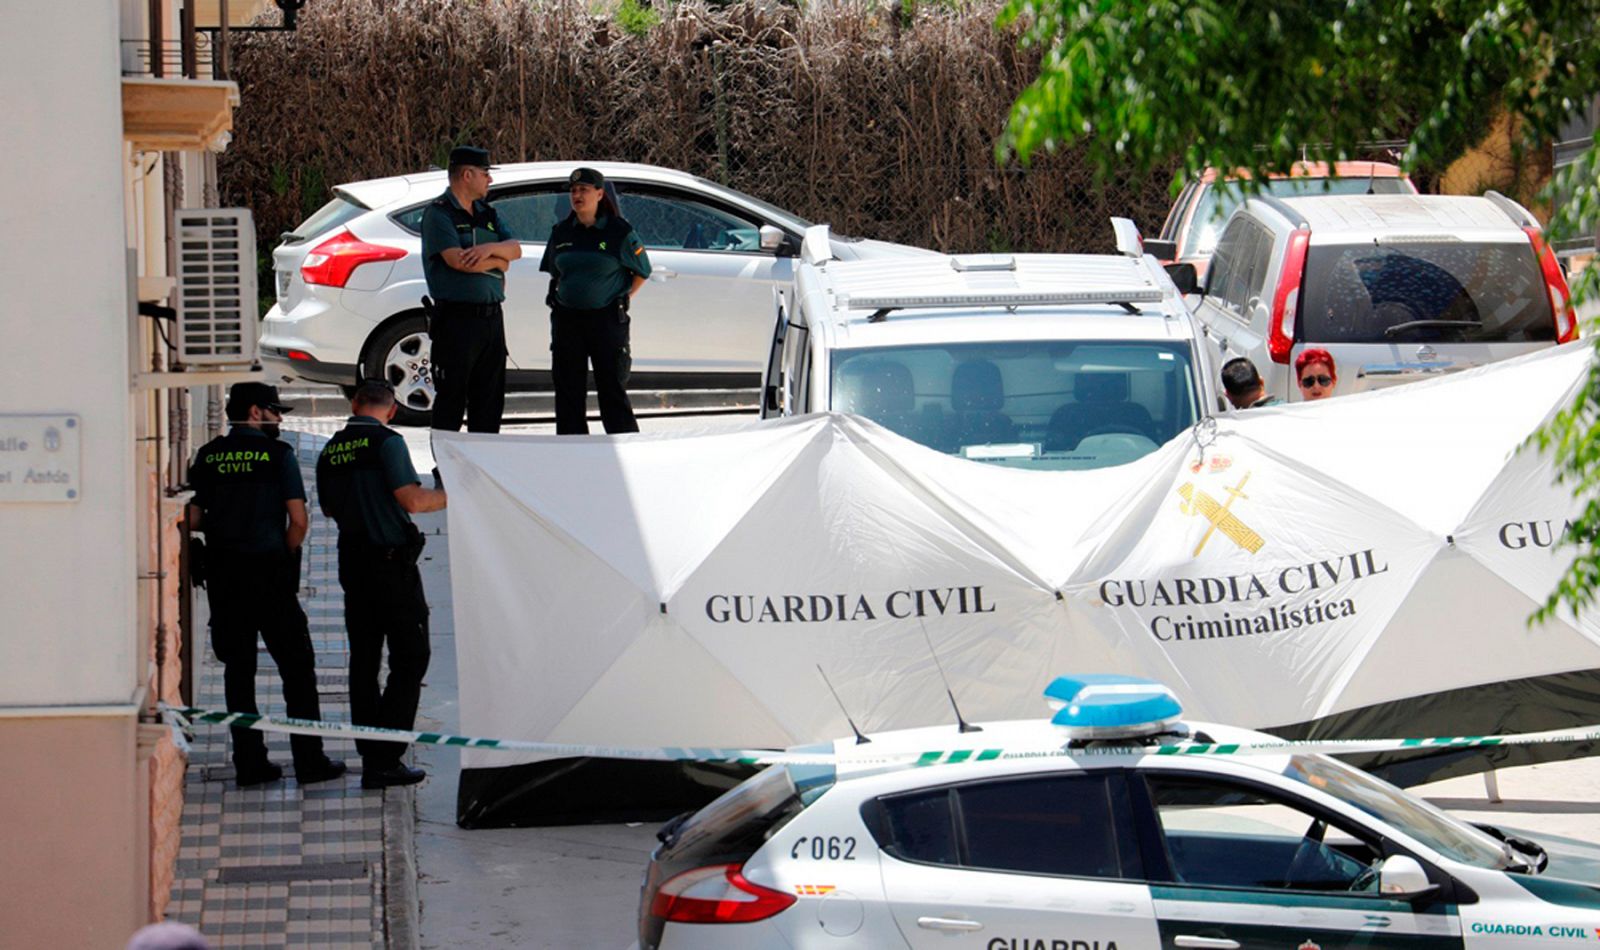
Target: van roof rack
x=882, y=304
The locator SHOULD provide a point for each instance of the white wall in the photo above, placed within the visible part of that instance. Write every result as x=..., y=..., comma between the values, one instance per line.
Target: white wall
x=67, y=633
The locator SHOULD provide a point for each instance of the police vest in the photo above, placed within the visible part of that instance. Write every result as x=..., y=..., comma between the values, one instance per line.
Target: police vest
x=354, y=491
x=239, y=486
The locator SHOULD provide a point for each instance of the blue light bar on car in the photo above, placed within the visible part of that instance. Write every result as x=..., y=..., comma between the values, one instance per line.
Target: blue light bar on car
x=1111, y=706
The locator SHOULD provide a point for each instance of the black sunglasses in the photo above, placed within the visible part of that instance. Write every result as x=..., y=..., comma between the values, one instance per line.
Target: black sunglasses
x=1310, y=381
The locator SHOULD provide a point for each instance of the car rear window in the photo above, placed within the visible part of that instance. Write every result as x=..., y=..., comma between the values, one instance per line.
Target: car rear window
x=336, y=213
x=1447, y=291
x=738, y=822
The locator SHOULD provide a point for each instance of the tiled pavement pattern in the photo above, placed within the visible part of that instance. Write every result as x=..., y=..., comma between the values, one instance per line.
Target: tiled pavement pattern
x=277, y=865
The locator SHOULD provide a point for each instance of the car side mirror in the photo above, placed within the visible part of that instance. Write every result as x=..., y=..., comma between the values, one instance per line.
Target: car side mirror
x=1183, y=275
x=1400, y=876
x=777, y=241
x=1161, y=250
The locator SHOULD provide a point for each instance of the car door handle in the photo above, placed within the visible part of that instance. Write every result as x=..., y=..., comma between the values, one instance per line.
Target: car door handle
x=951, y=924
x=1209, y=943
x=662, y=273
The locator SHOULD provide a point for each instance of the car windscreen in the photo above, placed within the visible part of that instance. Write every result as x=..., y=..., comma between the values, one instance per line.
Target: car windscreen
x=1446, y=291
x=336, y=213
x=1430, y=826
x=1224, y=197
x=1038, y=404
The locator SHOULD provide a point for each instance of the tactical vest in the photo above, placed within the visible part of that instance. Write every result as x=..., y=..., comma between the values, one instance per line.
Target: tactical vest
x=238, y=482
x=353, y=491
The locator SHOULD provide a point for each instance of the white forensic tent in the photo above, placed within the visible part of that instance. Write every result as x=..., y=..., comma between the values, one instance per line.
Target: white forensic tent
x=1277, y=567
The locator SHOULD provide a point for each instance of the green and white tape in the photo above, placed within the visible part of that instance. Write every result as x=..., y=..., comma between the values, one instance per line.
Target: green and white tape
x=183, y=717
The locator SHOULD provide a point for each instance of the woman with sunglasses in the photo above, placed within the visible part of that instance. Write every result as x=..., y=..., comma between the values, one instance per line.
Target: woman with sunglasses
x=1315, y=374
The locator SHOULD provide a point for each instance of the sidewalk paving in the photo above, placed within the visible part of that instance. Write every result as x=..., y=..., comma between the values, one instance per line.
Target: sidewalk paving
x=278, y=865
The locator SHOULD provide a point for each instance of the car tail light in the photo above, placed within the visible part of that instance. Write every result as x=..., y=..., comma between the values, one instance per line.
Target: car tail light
x=717, y=894
x=300, y=355
x=1286, y=299
x=333, y=261
x=1555, y=284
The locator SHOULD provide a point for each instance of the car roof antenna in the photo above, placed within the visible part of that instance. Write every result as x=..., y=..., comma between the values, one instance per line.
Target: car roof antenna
x=961, y=724
x=860, y=739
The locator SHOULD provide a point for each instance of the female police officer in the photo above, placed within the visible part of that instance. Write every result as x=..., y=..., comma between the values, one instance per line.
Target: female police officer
x=596, y=264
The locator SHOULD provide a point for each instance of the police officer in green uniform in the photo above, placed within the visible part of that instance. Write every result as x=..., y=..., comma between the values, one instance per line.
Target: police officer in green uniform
x=366, y=483
x=465, y=252
x=250, y=502
x=596, y=264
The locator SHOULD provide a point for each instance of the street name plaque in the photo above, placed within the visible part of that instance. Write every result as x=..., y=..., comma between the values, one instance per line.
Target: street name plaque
x=41, y=457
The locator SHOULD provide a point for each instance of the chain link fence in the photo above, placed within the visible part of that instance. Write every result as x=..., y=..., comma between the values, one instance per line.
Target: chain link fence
x=878, y=121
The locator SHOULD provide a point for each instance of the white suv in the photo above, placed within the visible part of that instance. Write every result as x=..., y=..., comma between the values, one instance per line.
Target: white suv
x=349, y=280
x=1394, y=287
x=1038, y=361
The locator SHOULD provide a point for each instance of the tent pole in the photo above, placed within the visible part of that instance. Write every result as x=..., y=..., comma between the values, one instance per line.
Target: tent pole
x=1491, y=786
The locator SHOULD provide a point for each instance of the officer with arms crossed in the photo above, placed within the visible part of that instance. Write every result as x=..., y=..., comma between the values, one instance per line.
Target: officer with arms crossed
x=366, y=483
x=596, y=264
x=465, y=253
x=251, y=503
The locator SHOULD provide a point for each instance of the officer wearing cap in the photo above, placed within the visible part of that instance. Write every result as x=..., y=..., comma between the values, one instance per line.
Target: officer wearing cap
x=596, y=264
x=366, y=483
x=250, y=502
x=465, y=252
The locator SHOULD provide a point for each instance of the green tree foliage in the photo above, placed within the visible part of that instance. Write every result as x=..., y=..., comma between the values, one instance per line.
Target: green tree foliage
x=1237, y=84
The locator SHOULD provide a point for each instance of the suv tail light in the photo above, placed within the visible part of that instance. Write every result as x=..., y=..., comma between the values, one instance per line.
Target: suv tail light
x=333, y=261
x=1286, y=299
x=1555, y=284
x=717, y=894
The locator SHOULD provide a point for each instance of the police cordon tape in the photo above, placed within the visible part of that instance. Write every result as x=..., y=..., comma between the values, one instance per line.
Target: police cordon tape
x=181, y=718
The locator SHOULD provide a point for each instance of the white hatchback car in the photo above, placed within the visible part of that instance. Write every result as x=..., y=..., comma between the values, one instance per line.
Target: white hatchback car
x=963, y=848
x=349, y=280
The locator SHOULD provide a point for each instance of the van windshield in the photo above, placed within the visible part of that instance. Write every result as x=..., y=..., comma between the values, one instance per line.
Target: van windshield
x=1224, y=197
x=1449, y=292
x=1041, y=404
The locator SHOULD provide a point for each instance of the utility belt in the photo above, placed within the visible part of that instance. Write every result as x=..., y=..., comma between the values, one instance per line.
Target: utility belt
x=407, y=553
x=453, y=308
x=616, y=310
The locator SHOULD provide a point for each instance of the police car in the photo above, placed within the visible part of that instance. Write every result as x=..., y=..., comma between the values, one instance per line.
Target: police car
x=1032, y=361
x=974, y=841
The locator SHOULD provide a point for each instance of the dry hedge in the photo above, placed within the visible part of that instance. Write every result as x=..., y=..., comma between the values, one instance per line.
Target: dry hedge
x=881, y=127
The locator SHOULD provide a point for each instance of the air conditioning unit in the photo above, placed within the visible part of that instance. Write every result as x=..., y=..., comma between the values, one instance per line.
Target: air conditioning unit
x=215, y=298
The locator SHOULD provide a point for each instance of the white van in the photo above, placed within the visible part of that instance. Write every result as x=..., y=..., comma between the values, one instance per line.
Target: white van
x=1394, y=287
x=1041, y=361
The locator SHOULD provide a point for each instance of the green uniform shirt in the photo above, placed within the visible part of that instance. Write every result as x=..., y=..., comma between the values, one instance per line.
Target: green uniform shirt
x=357, y=475
x=241, y=483
x=591, y=268
x=446, y=225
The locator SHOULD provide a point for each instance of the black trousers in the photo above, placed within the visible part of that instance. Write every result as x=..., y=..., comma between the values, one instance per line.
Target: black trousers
x=254, y=594
x=468, y=363
x=384, y=607
x=577, y=339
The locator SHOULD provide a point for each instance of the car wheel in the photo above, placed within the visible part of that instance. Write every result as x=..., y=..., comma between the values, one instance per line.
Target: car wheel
x=401, y=354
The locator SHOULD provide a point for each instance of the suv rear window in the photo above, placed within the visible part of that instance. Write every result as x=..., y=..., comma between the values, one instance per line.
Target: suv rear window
x=1444, y=292
x=336, y=213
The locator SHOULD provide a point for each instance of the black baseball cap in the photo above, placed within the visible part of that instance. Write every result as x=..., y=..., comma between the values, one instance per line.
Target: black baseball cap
x=469, y=155
x=587, y=176
x=244, y=395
